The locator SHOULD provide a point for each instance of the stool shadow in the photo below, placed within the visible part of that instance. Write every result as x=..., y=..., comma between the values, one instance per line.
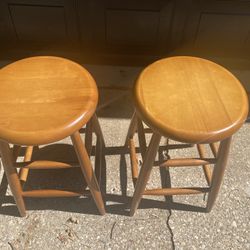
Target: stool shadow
x=64, y=179
x=124, y=201
x=72, y=179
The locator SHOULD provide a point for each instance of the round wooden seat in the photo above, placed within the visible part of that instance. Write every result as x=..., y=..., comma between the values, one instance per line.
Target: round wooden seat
x=190, y=99
x=44, y=99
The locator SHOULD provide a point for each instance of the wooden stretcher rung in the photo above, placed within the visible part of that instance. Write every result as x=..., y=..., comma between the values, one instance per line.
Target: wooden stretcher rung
x=148, y=130
x=178, y=146
x=176, y=191
x=185, y=162
x=141, y=138
x=46, y=193
x=45, y=165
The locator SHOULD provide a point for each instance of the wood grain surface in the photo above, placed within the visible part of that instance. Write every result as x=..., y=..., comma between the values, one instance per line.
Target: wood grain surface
x=44, y=99
x=190, y=99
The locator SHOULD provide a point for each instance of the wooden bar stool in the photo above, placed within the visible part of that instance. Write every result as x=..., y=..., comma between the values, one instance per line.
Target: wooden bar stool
x=189, y=100
x=43, y=100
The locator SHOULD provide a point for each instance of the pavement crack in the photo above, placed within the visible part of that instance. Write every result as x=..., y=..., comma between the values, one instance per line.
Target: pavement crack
x=170, y=229
x=11, y=246
x=112, y=230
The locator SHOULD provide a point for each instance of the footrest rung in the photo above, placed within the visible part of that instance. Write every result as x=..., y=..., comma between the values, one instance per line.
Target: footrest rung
x=46, y=193
x=176, y=191
x=186, y=162
x=45, y=165
x=148, y=130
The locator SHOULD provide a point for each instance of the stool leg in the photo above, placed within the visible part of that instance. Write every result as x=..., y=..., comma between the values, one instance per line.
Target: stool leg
x=218, y=172
x=97, y=128
x=88, y=171
x=23, y=174
x=141, y=137
x=12, y=177
x=3, y=187
x=98, y=159
x=132, y=149
x=145, y=171
x=100, y=145
x=88, y=137
x=132, y=128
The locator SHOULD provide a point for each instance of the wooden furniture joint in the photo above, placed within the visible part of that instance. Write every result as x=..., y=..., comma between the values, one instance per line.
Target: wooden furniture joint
x=42, y=100
x=190, y=100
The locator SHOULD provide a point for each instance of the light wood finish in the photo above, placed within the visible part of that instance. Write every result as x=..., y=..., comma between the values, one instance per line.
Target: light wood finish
x=97, y=128
x=44, y=165
x=205, y=166
x=58, y=96
x=141, y=137
x=214, y=178
x=190, y=99
x=132, y=128
x=93, y=126
x=136, y=125
x=10, y=171
x=183, y=162
x=145, y=172
x=98, y=159
x=42, y=100
x=176, y=191
x=53, y=193
x=12, y=176
x=133, y=161
x=100, y=146
x=23, y=174
x=88, y=171
x=218, y=172
x=214, y=149
x=4, y=183
x=88, y=137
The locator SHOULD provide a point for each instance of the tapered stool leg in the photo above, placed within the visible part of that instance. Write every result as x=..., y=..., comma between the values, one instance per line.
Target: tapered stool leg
x=141, y=137
x=12, y=177
x=23, y=174
x=132, y=149
x=100, y=146
x=132, y=128
x=88, y=137
x=88, y=171
x=145, y=171
x=218, y=172
x=97, y=128
x=98, y=159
